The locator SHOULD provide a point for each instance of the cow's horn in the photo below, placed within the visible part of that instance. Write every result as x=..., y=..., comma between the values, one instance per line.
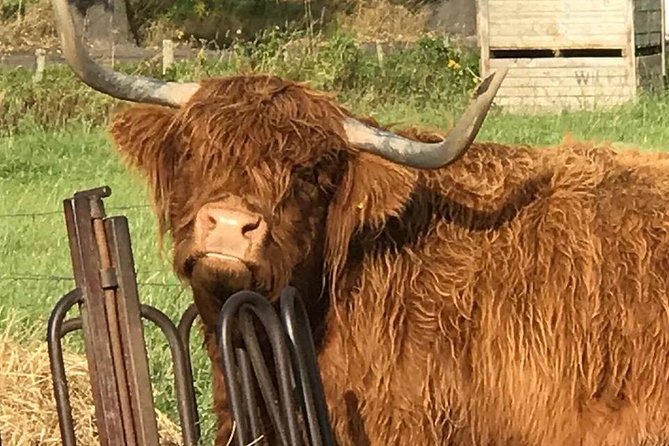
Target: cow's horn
x=118, y=85
x=428, y=155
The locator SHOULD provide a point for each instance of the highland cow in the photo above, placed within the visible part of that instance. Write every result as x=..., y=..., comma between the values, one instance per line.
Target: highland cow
x=460, y=293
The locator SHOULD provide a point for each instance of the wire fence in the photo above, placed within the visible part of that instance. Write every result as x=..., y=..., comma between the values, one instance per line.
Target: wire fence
x=39, y=58
x=11, y=276
x=60, y=212
x=51, y=278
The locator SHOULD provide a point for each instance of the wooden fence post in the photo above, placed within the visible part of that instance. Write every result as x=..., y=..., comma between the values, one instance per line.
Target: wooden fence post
x=379, y=53
x=168, y=54
x=111, y=318
x=40, y=64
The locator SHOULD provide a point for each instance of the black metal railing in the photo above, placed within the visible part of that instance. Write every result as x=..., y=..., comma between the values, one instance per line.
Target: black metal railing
x=300, y=392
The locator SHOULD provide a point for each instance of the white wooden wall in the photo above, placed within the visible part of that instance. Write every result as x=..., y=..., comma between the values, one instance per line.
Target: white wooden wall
x=562, y=83
x=557, y=23
x=633, y=28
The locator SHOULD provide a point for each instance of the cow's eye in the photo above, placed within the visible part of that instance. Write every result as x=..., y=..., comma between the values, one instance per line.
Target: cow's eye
x=307, y=175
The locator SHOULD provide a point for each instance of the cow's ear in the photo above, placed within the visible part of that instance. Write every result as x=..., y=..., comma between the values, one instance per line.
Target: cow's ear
x=139, y=134
x=372, y=190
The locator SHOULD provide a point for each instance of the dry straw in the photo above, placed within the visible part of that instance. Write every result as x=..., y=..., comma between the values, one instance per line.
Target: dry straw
x=27, y=408
x=26, y=32
x=385, y=21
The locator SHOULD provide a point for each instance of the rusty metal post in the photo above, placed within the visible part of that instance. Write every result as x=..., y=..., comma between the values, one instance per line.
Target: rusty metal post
x=111, y=320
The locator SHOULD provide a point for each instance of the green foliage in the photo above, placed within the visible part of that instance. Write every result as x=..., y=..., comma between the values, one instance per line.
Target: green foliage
x=11, y=8
x=183, y=9
x=219, y=20
x=54, y=102
x=428, y=73
x=425, y=72
x=51, y=146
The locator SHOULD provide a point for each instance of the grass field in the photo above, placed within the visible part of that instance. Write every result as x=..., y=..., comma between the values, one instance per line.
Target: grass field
x=40, y=168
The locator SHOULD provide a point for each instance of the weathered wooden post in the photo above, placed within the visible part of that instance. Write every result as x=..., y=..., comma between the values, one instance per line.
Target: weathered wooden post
x=111, y=320
x=40, y=64
x=379, y=53
x=168, y=54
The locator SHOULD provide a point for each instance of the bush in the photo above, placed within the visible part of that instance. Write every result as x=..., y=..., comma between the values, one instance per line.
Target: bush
x=10, y=9
x=219, y=21
x=429, y=73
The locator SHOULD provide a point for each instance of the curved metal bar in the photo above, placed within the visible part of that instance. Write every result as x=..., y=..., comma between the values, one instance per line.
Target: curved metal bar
x=257, y=360
x=60, y=388
x=303, y=353
x=288, y=435
x=249, y=386
x=71, y=325
x=186, y=325
x=235, y=383
x=184, y=328
x=187, y=320
x=185, y=393
x=267, y=315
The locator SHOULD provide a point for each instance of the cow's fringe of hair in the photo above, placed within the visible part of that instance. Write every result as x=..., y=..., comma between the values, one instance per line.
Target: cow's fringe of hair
x=239, y=119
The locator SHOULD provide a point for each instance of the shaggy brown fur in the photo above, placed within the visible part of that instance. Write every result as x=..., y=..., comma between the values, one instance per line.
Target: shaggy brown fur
x=516, y=297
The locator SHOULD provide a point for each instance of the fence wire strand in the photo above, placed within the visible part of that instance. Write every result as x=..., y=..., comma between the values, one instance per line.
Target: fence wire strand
x=60, y=278
x=50, y=278
x=44, y=213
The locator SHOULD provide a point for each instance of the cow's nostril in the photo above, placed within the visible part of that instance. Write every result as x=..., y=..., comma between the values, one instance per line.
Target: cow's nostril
x=250, y=227
x=212, y=221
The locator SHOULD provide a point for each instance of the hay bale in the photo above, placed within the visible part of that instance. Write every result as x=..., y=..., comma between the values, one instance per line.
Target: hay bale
x=27, y=406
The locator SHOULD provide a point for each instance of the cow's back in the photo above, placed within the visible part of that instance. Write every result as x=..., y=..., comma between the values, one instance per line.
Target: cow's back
x=530, y=309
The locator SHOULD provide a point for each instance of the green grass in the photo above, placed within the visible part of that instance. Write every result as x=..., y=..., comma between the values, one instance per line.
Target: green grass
x=53, y=143
x=38, y=171
x=41, y=168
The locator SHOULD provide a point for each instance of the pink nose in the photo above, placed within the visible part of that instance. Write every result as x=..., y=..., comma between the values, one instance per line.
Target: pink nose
x=229, y=230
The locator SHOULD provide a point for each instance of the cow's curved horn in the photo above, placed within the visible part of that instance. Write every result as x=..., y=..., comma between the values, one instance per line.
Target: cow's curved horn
x=425, y=155
x=118, y=85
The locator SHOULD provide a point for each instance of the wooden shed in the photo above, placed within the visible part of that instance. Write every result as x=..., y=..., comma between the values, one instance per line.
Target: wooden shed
x=572, y=54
